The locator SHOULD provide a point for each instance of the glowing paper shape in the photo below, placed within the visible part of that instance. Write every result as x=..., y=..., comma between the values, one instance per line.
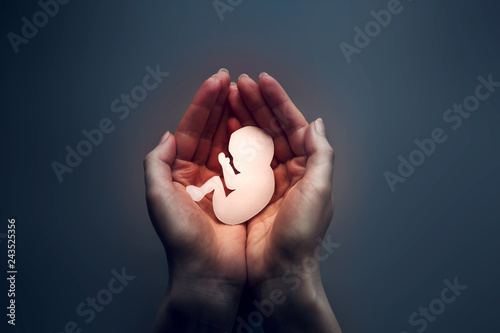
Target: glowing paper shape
x=252, y=150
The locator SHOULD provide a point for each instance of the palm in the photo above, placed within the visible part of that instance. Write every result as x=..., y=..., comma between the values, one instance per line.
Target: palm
x=267, y=235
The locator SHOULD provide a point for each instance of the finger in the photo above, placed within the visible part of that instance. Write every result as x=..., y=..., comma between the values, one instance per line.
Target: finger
x=193, y=122
x=233, y=124
x=157, y=167
x=238, y=107
x=260, y=111
x=288, y=116
x=320, y=156
x=220, y=143
x=167, y=200
x=205, y=142
x=243, y=116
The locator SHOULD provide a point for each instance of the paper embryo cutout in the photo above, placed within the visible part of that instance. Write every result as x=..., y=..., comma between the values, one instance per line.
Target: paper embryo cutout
x=252, y=150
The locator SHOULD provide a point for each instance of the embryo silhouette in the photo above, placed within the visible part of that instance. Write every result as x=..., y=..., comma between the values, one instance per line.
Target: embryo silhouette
x=252, y=150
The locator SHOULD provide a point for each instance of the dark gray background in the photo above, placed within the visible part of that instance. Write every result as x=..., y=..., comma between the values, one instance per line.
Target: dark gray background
x=397, y=248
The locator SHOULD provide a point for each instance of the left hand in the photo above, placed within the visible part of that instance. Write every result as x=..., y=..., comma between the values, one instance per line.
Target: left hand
x=206, y=258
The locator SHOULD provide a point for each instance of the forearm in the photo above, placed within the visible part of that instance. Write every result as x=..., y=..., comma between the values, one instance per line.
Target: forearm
x=298, y=306
x=207, y=306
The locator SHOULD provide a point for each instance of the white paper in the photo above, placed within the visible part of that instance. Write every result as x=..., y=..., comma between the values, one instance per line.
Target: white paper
x=252, y=150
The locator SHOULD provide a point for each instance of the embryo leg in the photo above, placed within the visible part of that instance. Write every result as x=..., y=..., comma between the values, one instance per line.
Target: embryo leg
x=213, y=184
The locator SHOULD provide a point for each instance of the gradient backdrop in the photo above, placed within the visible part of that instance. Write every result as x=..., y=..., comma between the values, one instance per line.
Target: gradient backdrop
x=397, y=247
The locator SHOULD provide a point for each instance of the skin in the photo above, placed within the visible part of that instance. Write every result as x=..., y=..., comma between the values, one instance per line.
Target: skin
x=210, y=263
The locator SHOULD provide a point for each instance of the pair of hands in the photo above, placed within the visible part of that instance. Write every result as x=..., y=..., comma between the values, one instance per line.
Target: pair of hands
x=210, y=262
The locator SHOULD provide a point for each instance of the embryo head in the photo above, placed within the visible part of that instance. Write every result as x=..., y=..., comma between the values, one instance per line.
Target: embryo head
x=251, y=146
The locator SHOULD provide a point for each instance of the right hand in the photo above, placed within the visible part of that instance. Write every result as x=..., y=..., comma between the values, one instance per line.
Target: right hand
x=284, y=235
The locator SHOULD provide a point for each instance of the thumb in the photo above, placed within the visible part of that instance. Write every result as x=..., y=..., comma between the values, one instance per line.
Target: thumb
x=320, y=156
x=162, y=195
x=157, y=167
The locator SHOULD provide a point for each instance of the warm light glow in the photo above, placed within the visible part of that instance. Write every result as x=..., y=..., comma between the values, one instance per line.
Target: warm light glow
x=252, y=150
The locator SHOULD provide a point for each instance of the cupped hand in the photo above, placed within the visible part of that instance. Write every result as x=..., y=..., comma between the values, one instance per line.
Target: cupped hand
x=286, y=231
x=206, y=257
x=285, y=235
x=209, y=262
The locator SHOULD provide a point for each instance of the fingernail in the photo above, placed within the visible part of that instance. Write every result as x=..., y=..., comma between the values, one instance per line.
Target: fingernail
x=262, y=74
x=242, y=75
x=165, y=137
x=224, y=70
x=319, y=125
x=233, y=86
x=217, y=76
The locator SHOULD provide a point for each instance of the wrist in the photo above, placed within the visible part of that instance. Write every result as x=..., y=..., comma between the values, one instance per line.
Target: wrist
x=204, y=305
x=294, y=302
x=290, y=289
x=203, y=291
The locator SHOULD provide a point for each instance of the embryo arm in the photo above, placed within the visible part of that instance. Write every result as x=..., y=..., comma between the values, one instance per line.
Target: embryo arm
x=227, y=172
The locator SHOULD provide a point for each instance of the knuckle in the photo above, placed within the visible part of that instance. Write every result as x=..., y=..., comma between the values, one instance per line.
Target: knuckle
x=147, y=159
x=330, y=153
